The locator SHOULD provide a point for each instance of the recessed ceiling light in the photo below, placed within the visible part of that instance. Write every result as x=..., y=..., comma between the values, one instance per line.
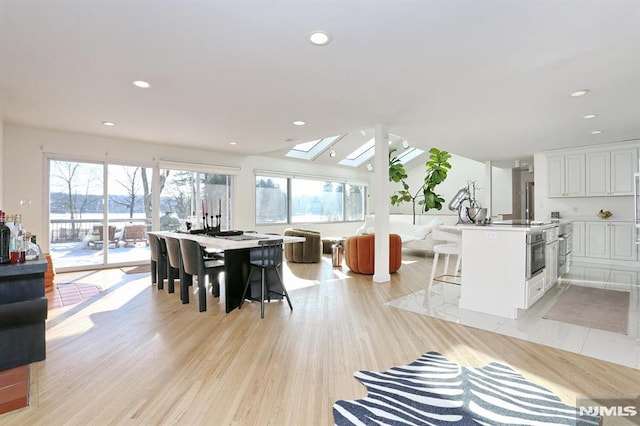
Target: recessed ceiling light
x=596, y=132
x=299, y=123
x=319, y=38
x=590, y=116
x=233, y=143
x=142, y=84
x=332, y=153
x=108, y=123
x=579, y=93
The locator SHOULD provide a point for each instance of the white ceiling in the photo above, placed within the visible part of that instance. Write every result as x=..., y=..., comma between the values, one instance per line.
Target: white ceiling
x=485, y=79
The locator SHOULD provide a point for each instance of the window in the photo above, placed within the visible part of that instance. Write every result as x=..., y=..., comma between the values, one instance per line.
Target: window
x=194, y=197
x=354, y=201
x=271, y=200
x=316, y=201
x=297, y=200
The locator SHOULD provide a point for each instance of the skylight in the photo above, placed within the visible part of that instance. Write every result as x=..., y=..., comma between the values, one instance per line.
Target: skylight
x=409, y=154
x=306, y=146
x=367, y=150
x=310, y=150
x=361, y=150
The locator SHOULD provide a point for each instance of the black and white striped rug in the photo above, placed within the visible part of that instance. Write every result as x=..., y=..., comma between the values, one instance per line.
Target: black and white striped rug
x=435, y=391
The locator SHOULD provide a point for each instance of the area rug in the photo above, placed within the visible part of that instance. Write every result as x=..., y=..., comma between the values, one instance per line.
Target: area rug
x=592, y=307
x=140, y=269
x=71, y=294
x=435, y=391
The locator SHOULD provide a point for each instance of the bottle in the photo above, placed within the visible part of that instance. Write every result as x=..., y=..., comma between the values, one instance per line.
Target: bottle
x=18, y=250
x=5, y=238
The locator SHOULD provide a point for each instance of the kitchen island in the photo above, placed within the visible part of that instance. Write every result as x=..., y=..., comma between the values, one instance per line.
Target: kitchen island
x=23, y=311
x=497, y=273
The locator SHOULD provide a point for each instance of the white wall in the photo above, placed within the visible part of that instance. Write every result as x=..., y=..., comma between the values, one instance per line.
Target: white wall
x=462, y=170
x=25, y=151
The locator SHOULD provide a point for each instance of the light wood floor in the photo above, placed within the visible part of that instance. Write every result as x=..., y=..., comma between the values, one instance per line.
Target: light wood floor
x=136, y=355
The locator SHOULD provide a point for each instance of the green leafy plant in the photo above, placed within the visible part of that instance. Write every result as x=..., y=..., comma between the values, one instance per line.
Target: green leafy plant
x=436, y=172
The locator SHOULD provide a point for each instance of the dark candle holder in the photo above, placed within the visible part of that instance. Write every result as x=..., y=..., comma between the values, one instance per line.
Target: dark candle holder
x=217, y=225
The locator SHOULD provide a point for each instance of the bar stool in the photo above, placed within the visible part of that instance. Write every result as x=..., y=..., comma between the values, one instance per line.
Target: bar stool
x=270, y=258
x=446, y=250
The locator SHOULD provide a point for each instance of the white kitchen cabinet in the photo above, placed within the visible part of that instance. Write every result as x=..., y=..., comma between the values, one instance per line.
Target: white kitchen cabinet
x=623, y=246
x=578, y=248
x=534, y=289
x=610, y=172
x=551, y=265
x=566, y=175
x=610, y=240
x=598, y=239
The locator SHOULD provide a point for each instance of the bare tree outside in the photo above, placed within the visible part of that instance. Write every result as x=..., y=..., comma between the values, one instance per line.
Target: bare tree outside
x=130, y=182
x=75, y=189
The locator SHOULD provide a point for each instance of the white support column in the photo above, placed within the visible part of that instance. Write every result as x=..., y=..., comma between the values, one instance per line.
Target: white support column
x=488, y=183
x=381, y=187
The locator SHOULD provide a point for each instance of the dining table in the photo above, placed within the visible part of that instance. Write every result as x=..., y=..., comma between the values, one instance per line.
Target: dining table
x=238, y=249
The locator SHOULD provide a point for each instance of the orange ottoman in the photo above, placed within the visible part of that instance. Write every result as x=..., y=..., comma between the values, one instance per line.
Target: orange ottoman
x=360, y=253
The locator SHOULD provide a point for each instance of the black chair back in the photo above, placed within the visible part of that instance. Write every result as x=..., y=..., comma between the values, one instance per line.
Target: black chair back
x=270, y=253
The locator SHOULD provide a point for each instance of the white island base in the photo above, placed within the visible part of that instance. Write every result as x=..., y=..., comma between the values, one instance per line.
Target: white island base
x=494, y=270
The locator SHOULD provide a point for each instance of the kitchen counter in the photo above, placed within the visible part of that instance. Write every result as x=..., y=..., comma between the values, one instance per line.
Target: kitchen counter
x=23, y=311
x=499, y=227
x=494, y=271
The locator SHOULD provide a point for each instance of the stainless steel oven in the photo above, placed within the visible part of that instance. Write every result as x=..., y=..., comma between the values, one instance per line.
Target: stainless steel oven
x=536, y=259
x=565, y=247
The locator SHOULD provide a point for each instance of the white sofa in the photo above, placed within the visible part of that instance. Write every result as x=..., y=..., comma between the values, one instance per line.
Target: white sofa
x=416, y=237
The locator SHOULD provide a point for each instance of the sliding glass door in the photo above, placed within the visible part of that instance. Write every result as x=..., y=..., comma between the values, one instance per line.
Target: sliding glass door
x=76, y=209
x=99, y=214
x=128, y=213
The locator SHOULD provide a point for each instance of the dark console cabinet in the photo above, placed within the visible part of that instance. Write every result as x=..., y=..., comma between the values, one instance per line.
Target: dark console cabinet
x=23, y=311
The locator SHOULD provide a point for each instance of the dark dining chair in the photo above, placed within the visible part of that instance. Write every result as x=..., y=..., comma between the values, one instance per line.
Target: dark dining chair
x=270, y=258
x=174, y=259
x=206, y=270
x=158, y=260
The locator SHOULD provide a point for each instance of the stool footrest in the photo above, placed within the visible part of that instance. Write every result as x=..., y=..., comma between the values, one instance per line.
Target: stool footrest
x=441, y=279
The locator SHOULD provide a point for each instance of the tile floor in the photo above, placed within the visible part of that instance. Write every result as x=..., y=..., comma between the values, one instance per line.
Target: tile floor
x=71, y=294
x=531, y=326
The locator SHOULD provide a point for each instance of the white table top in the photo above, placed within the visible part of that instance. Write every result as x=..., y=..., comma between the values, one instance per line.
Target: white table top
x=221, y=243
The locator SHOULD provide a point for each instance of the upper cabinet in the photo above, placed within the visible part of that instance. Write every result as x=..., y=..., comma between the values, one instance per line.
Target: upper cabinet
x=594, y=174
x=567, y=175
x=610, y=172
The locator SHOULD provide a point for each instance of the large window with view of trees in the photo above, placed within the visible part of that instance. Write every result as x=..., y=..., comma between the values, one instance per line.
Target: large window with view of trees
x=194, y=197
x=297, y=200
x=99, y=214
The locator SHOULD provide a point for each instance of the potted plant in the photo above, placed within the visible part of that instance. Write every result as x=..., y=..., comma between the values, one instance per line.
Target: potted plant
x=436, y=166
